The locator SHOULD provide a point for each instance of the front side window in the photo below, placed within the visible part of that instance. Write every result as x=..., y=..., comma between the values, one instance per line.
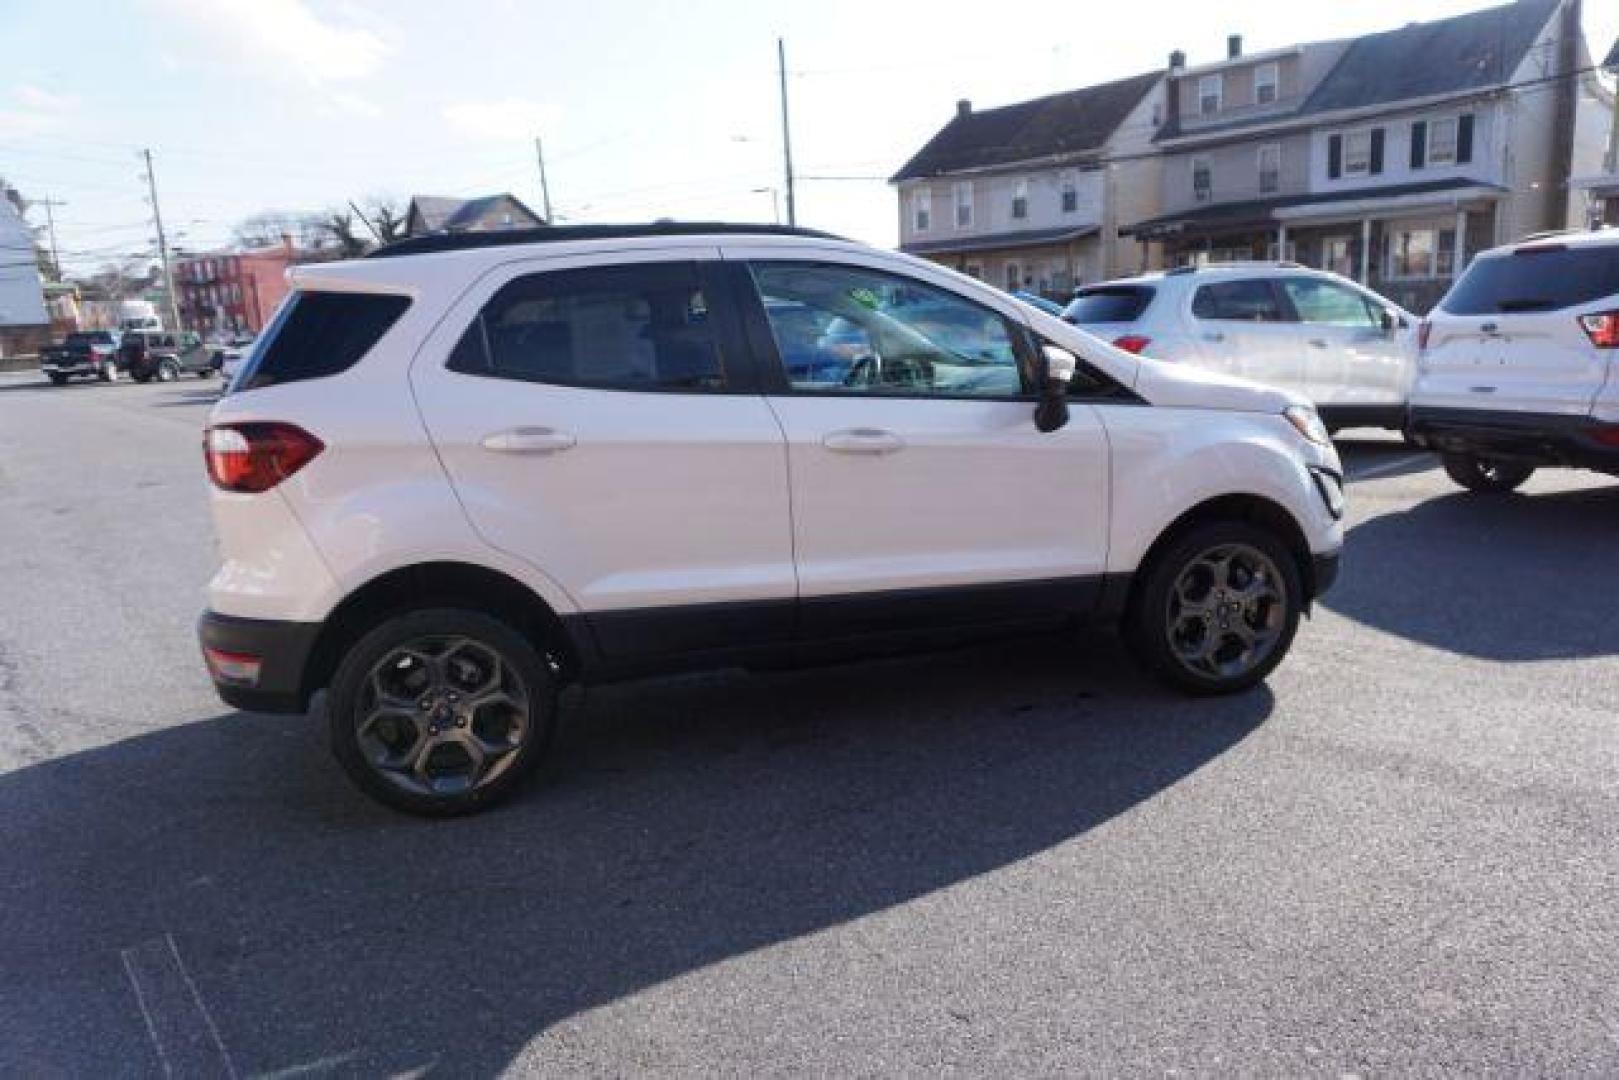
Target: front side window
x=1202, y=180
x=1252, y=300
x=1020, y=199
x=844, y=329
x=1324, y=303
x=922, y=209
x=1270, y=168
x=641, y=327
x=1265, y=83
x=1210, y=94
x=964, y=204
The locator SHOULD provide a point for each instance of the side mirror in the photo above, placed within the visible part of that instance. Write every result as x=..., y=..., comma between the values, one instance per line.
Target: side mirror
x=1051, y=414
x=1387, y=320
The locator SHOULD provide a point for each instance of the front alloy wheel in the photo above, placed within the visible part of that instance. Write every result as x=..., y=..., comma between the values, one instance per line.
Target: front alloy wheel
x=440, y=712
x=1216, y=610
x=1486, y=475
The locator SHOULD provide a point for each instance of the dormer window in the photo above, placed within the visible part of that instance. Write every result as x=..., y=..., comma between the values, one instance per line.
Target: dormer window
x=1210, y=94
x=1266, y=81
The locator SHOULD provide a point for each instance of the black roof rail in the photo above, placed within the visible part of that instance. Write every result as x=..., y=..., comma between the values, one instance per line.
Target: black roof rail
x=556, y=234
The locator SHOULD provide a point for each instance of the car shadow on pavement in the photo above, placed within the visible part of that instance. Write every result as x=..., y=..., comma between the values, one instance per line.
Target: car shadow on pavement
x=1367, y=459
x=1510, y=578
x=684, y=822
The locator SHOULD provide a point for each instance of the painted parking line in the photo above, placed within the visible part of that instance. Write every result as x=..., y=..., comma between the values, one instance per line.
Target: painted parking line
x=1388, y=467
x=183, y=1032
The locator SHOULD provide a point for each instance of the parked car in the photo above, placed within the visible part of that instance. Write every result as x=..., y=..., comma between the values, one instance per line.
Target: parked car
x=1345, y=348
x=469, y=469
x=82, y=354
x=165, y=356
x=233, y=351
x=1520, y=363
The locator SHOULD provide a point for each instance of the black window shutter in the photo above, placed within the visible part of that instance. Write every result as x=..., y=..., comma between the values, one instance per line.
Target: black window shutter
x=1464, y=139
x=1335, y=157
x=1419, y=144
x=1377, y=151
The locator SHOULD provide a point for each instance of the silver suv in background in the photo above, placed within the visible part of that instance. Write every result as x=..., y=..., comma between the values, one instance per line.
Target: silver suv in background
x=1347, y=349
x=1517, y=369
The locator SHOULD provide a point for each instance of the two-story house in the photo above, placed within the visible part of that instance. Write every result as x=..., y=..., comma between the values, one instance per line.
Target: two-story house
x=1401, y=153
x=1031, y=196
x=1597, y=117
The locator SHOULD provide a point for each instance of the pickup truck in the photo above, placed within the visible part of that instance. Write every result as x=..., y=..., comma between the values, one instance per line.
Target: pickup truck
x=83, y=353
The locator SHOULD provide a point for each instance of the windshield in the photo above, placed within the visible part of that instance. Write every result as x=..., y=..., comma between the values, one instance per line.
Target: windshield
x=1540, y=278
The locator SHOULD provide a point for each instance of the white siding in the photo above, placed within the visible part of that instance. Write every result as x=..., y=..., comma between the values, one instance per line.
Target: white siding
x=22, y=300
x=1485, y=165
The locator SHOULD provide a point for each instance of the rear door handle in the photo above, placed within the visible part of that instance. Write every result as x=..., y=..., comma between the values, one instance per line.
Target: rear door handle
x=529, y=440
x=1318, y=343
x=863, y=441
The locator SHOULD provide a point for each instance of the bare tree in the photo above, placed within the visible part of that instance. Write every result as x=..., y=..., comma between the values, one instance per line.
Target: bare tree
x=269, y=227
x=339, y=227
x=388, y=217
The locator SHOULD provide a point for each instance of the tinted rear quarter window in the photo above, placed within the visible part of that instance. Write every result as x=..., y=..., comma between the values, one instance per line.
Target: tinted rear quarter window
x=1535, y=279
x=317, y=334
x=1112, y=304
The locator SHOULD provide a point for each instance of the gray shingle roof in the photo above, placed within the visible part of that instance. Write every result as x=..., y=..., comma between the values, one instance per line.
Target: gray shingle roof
x=1072, y=122
x=1257, y=212
x=1612, y=62
x=1468, y=52
x=440, y=214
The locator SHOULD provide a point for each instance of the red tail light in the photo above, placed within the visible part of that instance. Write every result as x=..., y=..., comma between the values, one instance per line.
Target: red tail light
x=1132, y=343
x=1607, y=435
x=256, y=457
x=1603, y=329
x=1424, y=332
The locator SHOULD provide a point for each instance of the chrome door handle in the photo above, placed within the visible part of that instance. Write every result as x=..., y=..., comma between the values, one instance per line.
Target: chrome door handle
x=528, y=440
x=1213, y=337
x=1318, y=343
x=863, y=441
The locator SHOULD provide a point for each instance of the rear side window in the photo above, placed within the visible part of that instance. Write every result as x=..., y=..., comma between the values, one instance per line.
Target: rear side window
x=1110, y=304
x=644, y=327
x=1240, y=301
x=316, y=334
x=1535, y=279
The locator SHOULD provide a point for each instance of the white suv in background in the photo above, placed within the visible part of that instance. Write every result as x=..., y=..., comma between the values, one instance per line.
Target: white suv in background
x=1518, y=367
x=1343, y=347
x=463, y=471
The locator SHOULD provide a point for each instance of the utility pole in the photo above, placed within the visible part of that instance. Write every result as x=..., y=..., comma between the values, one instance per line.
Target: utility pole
x=162, y=242
x=545, y=188
x=50, y=225
x=786, y=132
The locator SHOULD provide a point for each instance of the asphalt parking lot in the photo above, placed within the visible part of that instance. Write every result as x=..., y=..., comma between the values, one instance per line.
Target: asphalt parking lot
x=1402, y=855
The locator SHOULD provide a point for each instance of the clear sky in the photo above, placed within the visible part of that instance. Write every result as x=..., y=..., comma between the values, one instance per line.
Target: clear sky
x=647, y=109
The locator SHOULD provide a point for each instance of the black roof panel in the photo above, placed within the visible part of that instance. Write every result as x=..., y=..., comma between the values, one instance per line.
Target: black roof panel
x=557, y=234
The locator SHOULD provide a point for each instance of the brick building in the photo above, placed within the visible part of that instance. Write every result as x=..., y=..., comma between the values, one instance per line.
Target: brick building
x=232, y=291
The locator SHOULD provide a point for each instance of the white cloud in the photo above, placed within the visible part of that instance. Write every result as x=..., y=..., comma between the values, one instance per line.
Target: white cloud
x=503, y=119
x=287, y=35
x=355, y=105
x=34, y=98
x=35, y=111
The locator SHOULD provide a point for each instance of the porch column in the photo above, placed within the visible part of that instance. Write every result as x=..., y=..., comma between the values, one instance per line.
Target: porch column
x=1365, y=251
x=1281, y=242
x=1459, y=259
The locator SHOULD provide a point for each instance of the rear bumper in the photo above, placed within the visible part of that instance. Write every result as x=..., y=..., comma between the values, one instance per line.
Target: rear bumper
x=282, y=650
x=1539, y=439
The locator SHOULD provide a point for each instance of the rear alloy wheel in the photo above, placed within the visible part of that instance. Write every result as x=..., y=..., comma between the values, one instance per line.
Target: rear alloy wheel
x=1486, y=475
x=441, y=711
x=168, y=371
x=108, y=373
x=1216, y=611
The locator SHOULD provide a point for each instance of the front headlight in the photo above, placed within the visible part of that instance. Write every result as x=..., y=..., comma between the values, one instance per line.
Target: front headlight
x=1308, y=424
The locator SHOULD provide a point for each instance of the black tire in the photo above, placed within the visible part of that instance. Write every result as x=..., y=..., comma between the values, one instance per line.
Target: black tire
x=349, y=702
x=1150, y=620
x=1486, y=476
x=57, y=379
x=168, y=371
x=141, y=376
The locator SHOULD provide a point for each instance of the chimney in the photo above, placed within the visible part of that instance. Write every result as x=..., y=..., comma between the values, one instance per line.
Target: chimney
x=1177, y=61
x=964, y=108
x=286, y=245
x=1172, y=87
x=1233, y=46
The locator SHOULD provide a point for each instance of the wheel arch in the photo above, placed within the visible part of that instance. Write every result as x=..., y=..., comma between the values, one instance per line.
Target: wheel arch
x=1255, y=509
x=437, y=584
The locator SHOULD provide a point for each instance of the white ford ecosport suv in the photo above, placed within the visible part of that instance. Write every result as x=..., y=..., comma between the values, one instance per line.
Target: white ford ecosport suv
x=468, y=469
x=1520, y=363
